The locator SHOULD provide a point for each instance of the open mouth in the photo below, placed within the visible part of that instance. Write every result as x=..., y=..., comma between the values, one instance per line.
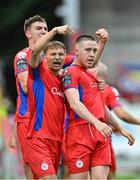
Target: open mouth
x=90, y=60
x=57, y=64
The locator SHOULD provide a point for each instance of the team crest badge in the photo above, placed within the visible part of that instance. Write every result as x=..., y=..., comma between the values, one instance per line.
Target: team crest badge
x=44, y=166
x=21, y=55
x=66, y=80
x=79, y=164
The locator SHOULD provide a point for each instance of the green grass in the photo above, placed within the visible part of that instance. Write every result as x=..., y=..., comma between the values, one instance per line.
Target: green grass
x=124, y=177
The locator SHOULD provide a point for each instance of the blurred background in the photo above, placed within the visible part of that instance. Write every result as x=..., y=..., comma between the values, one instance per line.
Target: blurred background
x=122, y=56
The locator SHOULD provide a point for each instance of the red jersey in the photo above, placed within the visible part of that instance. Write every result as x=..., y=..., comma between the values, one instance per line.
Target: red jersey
x=46, y=104
x=86, y=84
x=111, y=97
x=21, y=64
x=68, y=60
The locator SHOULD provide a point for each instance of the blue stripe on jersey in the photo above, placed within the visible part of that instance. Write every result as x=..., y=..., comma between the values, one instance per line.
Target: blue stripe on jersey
x=38, y=90
x=66, y=65
x=80, y=89
x=66, y=122
x=23, y=104
x=69, y=63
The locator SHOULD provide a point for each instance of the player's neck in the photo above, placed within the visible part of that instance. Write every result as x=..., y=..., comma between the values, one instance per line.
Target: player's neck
x=77, y=62
x=55, y=73
x=30, y=44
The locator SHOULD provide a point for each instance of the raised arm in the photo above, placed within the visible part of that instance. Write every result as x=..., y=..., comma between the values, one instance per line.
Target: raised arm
x=40, y=44
x=103, y=37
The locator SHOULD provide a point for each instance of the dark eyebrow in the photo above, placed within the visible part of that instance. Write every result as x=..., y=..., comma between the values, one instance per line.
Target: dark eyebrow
x=40, y=27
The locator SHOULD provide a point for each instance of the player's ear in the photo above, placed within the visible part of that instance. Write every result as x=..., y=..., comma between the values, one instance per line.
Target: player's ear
x=28, y=34
x=76, y=51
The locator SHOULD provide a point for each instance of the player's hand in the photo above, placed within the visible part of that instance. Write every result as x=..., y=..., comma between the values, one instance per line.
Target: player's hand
x=64, y=30
x=13, y=142
x=61, y=71
x=101, y=85
x=128, y=135
x=104, y=129
x=102, y=34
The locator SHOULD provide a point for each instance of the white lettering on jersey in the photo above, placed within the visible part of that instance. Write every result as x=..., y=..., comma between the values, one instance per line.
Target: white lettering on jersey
x=57, y=92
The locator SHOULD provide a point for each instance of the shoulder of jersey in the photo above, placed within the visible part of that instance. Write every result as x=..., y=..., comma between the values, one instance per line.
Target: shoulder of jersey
x=116, y=92
x=23, y=53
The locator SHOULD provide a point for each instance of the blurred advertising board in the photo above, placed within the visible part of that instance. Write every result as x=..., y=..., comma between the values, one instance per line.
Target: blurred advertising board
x=128, y=81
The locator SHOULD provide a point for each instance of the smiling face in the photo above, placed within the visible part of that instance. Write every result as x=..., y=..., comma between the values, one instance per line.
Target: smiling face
x=55, y=55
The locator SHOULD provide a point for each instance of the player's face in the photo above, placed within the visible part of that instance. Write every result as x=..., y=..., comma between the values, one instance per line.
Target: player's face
x=85, y=52
x=36, y=31
x=55, y=59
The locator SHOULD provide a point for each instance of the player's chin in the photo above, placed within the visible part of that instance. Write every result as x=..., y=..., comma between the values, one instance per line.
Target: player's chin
x=89, y=65
x=58, y=67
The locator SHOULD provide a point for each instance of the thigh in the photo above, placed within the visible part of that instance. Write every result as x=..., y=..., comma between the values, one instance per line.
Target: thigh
x=56, y=151
x=112, y=171
x=79, y=160
x=113, y=159
x=21, y=134
x=82, y=175
x=101, y=155
x=99, y=172
x=77, y=150
x=41, y=157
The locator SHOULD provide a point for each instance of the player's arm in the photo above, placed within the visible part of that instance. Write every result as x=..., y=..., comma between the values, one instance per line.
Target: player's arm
x=21, y=69
x=41, y=43
x=22, y=78
x=72, y=96
x=119, y=110
x=117, y=126
x=126, y=116
x=13, y=139
x=103, y=36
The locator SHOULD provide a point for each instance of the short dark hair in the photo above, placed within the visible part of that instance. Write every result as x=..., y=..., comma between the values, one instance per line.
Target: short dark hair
x=54, y=44
x=85, y=38
x=31, y=20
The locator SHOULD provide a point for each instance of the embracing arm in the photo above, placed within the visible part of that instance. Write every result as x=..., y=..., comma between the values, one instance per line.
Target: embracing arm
x=13, y=137
x=126, y=116
x=117, y=126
